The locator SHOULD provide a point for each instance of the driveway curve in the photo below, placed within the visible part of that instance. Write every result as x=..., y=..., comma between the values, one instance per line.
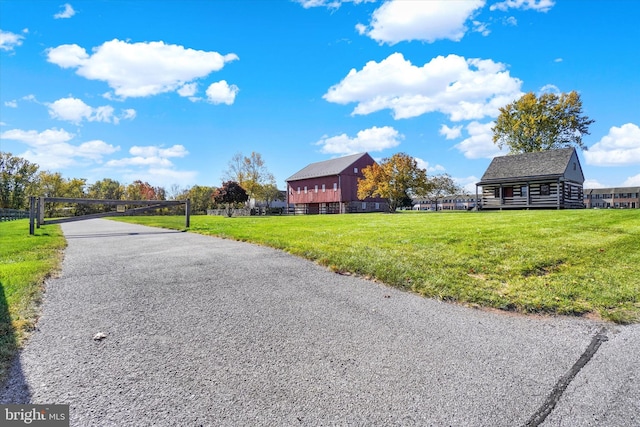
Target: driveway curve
x=205, y=331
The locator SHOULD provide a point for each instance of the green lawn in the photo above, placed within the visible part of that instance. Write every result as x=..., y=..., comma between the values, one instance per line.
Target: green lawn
x=572, y=262
x=25, y=262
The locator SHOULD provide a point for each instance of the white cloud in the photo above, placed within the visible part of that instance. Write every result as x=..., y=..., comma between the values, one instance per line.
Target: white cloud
x=396, y=20
x=11, y=104
x=67, y=12
x=74, y=110
x=221, y=93
x=549, y=88
x=463, y=89
x=481, y=27
x=70, y=109
x=139, y=69
x=164, y=177
x=632, y=181
x=35, y=138
x=450, y=133
x=151, y=151
x=371, y=140
x=431, y=170
x=479, y=144
x=188, y=89
x=95, y=150
x=9, y=40
x=140, y=161
x=150, y=155
x=592, y=183
x=620, y=147
x=468, y=184
x=330, y=4
x=51, y=149
x=152, y=164
x=537, y=5
x=128, y=114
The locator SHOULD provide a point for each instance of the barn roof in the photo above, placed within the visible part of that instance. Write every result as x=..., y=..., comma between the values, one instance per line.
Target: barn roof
x=542, y=164
x=327, y=167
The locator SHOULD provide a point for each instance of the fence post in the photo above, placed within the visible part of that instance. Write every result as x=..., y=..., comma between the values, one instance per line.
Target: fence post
x=40, y=212
x=32, y=214
x=187, y=213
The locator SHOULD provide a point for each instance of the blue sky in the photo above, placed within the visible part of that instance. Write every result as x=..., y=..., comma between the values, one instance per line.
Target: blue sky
x=168, y=91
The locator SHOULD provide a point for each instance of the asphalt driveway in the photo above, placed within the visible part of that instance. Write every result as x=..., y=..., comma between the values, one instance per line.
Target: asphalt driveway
x=205, y=331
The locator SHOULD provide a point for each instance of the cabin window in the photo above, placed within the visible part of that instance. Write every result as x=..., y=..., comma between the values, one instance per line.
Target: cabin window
x=364, y=205
x=377, y=206
x=523, y=190
x=545, y=190
x=496, y=192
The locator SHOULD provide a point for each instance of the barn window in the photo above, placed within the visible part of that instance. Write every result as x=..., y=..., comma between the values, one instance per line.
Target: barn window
x=298, y=190
x=323, y=188
x=355, y=170
x=335, y=186
x=316, y=188
x=305, y=189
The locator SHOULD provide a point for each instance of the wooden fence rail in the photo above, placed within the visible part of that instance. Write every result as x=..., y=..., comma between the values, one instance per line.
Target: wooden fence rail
x=124, y=208
x=11, y=214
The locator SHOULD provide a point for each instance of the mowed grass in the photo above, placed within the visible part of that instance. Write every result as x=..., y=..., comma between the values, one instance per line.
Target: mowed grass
x=573, y=262
x=25, y=262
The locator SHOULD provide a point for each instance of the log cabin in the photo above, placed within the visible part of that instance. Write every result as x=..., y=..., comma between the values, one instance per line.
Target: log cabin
x=551, y=179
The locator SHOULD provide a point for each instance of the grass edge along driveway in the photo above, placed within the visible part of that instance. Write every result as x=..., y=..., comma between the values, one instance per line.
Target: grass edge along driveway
x=573, y=262
x=25, y=263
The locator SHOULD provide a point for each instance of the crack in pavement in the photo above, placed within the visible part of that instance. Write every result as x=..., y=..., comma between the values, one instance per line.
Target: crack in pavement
x=552, y=400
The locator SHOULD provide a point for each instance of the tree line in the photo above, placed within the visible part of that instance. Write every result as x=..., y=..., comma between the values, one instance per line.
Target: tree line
x=20, y=179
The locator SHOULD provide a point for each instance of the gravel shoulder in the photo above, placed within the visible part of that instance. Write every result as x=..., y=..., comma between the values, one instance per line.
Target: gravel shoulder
x=205, y=331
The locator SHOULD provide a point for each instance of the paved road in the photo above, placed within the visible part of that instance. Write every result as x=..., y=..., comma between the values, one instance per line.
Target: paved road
x=204, y=331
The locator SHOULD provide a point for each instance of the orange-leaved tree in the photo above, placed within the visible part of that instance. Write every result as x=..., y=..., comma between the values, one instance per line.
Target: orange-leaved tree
x=394, y=179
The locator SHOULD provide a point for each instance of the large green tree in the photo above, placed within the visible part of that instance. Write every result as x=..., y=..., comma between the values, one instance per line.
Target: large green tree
x=53, y=184
x=542, y=123
x=394, y=179
x=16, y=179
x=106, y=189
x=201, y=198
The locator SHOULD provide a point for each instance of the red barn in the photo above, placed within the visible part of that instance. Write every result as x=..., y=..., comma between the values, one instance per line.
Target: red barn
x=332, y=187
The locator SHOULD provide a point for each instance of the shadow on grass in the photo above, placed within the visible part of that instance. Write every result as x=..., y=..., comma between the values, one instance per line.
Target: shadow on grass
x=13, y=386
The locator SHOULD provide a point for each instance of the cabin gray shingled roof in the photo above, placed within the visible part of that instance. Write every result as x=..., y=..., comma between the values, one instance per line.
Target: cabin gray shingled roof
x=542, y=164
x=326, y=168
